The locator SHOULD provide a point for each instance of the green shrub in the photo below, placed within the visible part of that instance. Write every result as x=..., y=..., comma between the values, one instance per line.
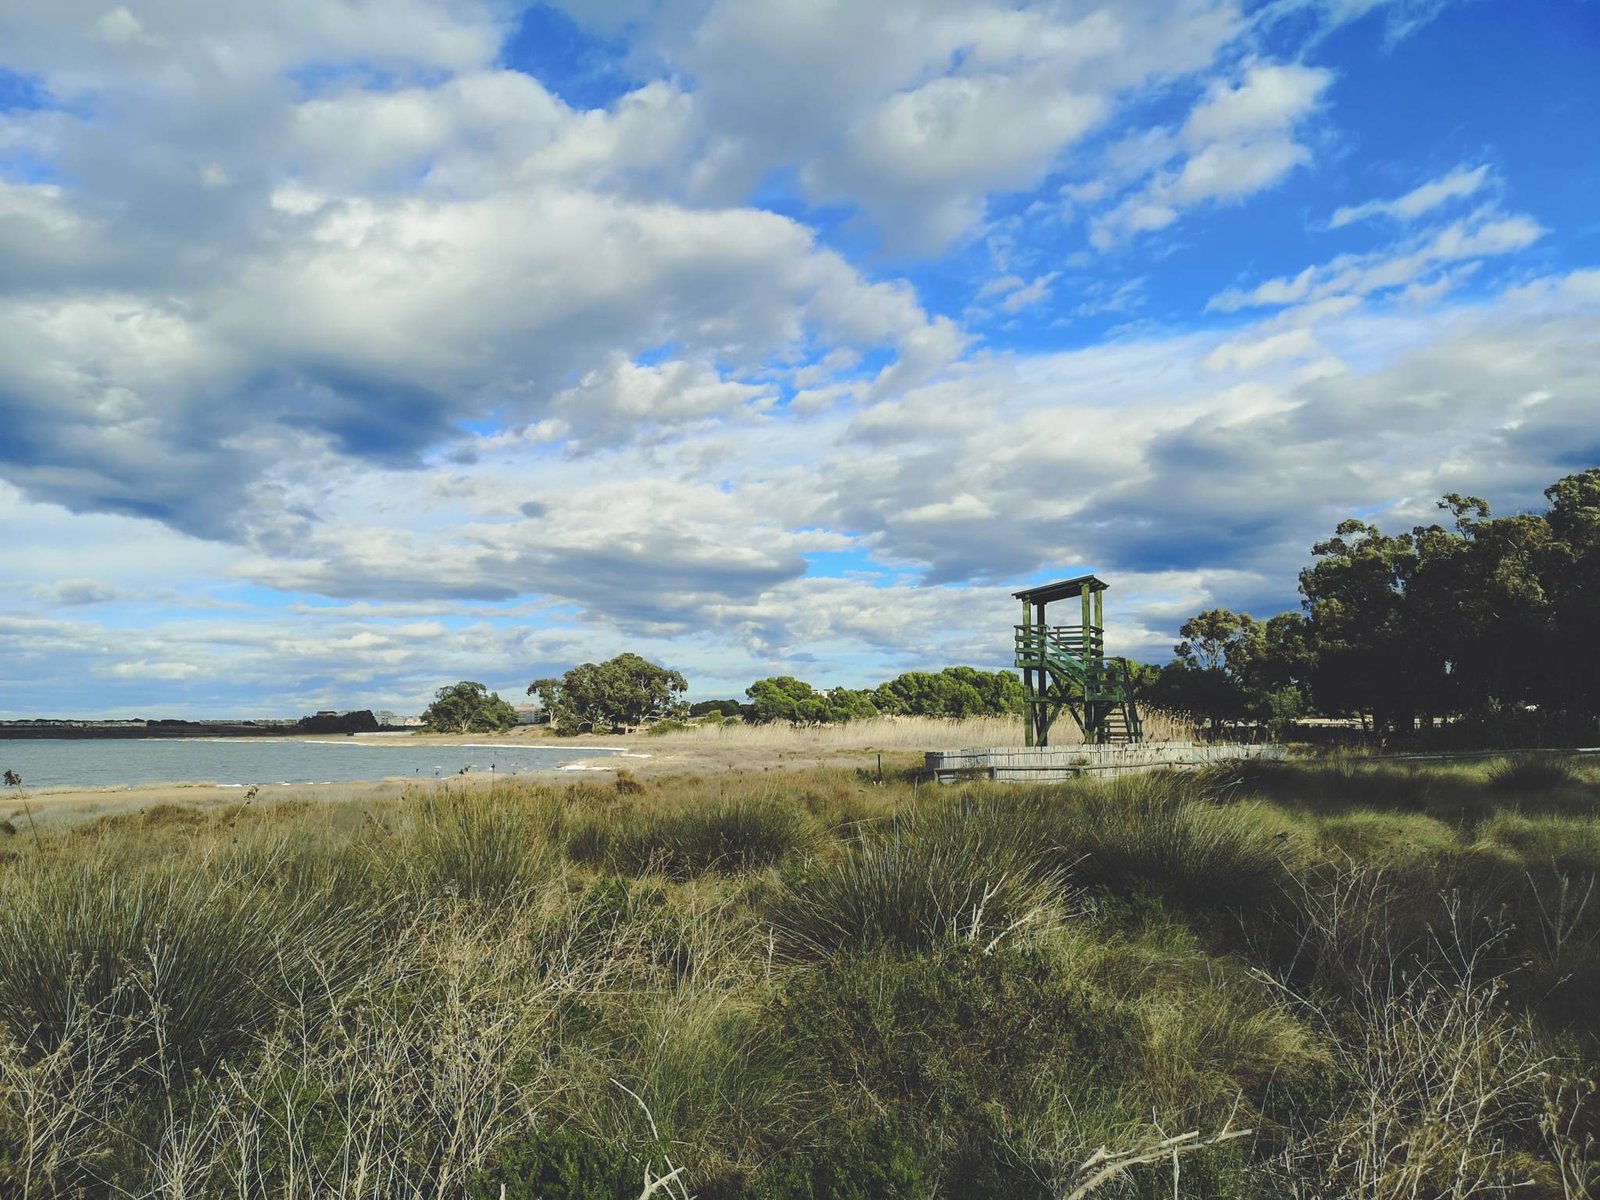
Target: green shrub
x=558, y=1164
x=879, y=1158
x=927, y=880
x=1529, y=773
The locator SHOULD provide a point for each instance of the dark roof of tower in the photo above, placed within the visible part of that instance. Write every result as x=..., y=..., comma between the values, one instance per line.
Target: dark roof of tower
x=1061, y=589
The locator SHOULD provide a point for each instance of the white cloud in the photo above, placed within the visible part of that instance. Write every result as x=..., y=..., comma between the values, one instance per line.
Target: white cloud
x=1484, y=234
x=502, y=384
x=1423, y=199
x=917, y=110
x=1241, y=138
x=1269, y=98
x=624, y=402
x=1189, y=469
x=1402, y=18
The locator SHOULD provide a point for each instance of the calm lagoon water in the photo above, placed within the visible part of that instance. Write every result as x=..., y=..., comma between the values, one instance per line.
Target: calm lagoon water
x=113, y=762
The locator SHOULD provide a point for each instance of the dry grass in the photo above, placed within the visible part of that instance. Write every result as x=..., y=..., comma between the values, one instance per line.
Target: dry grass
x=883, y=733
x=910, y=733
x=546, y=984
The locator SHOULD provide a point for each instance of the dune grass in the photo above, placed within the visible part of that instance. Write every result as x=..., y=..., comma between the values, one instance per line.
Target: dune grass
x=816, y=984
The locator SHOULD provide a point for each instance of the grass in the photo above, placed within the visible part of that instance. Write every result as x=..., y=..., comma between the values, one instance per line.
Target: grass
x=482, y=848
x=928, y=878
x=1530, y=773
x=730, y=834
x=908, y=733
x=816, y=984
x=195, y=963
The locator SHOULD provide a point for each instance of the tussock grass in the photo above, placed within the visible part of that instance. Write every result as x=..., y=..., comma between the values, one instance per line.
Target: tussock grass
x=930, y=878
x=479, y=846
x=213, y=961
x=820, y=984
x=731, y=834
x=1524, y=774
x=1164, y=834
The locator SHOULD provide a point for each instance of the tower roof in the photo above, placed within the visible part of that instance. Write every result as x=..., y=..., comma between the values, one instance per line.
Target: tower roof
x=1061, y=589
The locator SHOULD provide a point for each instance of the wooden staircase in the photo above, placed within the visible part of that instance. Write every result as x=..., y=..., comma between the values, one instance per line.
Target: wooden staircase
x=1068, y=661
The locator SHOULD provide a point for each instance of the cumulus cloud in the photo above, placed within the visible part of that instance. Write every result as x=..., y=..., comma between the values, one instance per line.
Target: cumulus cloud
x=378, y=324
x=915, y=111
x=342, y=359
x=1241, y=137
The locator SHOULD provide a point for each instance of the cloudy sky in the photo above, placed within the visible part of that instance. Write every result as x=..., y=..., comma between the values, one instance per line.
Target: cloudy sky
x=352, y=347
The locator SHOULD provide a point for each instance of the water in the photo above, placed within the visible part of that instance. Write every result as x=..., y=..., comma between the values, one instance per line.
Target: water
x=243, y=762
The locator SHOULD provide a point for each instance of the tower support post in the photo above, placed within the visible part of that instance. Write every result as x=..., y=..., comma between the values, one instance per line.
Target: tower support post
x=1030, y=694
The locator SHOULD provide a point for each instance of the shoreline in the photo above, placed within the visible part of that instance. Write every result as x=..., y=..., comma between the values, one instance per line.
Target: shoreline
x=58, y=806
x=646, y=757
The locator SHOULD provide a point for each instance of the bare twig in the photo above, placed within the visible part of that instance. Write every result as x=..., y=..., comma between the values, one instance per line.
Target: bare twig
x=1104, y=1165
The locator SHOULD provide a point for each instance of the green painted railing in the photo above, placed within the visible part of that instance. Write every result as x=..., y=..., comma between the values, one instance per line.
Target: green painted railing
x=1074, y=655
x=1054, y=647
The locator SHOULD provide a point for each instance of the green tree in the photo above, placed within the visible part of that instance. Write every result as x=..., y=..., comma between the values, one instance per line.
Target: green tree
x=721, y=708
x=1216, y=638
x=1573, y=587
x=1000, y=693
x=1208, y=694
x=1495, y=618
x=785, y=698
x=1370, y=658
x=847, y=704
x=952, y=692
x=620, y=693
x=468, y=707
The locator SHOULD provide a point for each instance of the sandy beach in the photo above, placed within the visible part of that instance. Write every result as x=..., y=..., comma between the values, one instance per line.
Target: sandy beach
x=698, y=752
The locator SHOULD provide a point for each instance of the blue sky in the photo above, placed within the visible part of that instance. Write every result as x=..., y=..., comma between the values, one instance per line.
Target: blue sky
x=350, y=349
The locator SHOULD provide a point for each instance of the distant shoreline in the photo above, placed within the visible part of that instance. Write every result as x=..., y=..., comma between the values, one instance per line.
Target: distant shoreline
x=34, y=731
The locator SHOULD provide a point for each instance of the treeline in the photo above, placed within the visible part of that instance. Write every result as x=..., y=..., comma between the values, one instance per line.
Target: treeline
x=1493, y=622
x=952, y=692
x=628, y=691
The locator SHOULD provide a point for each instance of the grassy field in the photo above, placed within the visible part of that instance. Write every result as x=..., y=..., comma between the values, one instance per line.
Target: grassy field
x=1321, y=979
x=905, y=733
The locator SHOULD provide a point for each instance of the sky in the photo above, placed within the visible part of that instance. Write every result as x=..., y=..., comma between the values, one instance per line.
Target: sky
x=349, y=349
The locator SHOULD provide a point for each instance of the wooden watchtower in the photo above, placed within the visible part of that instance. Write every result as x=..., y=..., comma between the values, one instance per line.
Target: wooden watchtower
x=1065, y=668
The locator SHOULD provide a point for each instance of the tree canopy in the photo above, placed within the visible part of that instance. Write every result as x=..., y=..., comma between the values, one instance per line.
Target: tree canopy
x=952, y=692
x=468, y=707
x=621, y=692
x=1496, y=619
x=785, y=698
